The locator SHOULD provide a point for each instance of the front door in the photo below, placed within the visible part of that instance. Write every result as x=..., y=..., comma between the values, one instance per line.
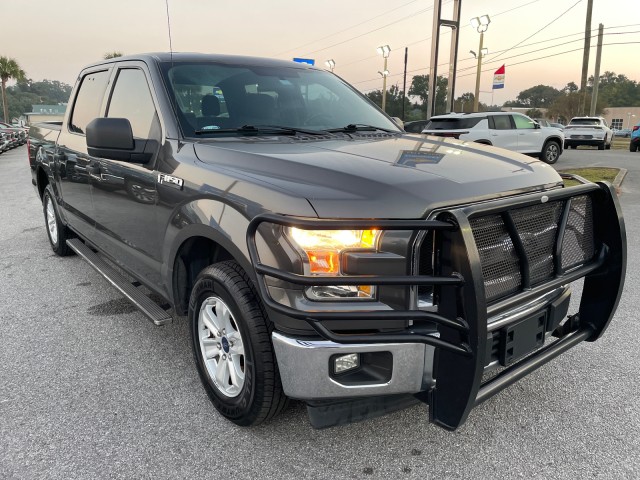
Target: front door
x=124, y=193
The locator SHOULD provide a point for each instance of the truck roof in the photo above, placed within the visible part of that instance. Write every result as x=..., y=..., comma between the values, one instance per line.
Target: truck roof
x=205, y=57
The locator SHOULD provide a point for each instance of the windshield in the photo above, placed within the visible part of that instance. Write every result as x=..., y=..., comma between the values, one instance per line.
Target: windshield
x=212, y=97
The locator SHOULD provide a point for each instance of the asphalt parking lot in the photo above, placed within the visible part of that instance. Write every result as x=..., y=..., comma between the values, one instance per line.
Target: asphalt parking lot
x=90, y=389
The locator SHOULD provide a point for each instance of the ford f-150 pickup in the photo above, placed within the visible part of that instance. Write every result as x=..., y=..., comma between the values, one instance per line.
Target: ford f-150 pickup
x=318, y=251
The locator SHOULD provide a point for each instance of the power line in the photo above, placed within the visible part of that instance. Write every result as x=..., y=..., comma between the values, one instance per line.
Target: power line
x=507, y=58
x=446, y=32
x=375, y=29
x=545, y=48
x=552, y=55
x=346, y=29
x=521, y=54
x=548, y=24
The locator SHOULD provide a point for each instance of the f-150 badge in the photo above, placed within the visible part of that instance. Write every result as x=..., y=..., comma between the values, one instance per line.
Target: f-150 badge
x=170, y=181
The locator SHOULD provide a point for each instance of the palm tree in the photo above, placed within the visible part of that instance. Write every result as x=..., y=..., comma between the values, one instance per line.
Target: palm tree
x=9, y=68
x=114, y=54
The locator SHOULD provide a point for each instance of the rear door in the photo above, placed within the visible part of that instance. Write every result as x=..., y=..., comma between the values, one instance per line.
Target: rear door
x=124, y=193
x=75, y=166
x=503, y=132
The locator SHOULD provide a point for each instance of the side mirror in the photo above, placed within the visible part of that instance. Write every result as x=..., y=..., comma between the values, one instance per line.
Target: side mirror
x=112, y=138
x=536, y=125
x=398, y=121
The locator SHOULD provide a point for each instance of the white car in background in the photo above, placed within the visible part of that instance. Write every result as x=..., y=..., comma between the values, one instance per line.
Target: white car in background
x=510, y=130
x=588, y=131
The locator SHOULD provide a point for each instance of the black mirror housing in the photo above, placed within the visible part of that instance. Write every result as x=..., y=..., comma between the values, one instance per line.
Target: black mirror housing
x=112, y=138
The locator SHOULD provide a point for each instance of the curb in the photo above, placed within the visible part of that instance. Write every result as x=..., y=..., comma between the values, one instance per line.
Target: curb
x=619, y=178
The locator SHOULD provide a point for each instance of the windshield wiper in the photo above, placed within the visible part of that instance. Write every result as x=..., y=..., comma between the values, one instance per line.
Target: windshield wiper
x=261, y=130
x=360, y=127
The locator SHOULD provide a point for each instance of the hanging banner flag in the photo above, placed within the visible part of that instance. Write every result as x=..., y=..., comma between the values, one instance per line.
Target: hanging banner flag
x=498, y=78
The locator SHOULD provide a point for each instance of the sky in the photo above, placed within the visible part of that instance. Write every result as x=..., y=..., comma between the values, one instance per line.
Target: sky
x=54, y=39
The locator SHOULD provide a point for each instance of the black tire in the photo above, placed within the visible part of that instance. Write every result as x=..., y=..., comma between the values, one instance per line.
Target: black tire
x=632, y=147
x=601, y=146
x=550, y=152
x=260, y=396
x=57, y=233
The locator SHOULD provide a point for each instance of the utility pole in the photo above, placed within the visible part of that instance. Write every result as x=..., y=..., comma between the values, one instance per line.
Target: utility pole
x=596, y=76
x=404, y=82
x=585, y=55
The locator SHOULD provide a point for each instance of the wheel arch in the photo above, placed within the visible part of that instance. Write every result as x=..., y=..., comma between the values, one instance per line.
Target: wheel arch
x=195, y=248
x=42, y=180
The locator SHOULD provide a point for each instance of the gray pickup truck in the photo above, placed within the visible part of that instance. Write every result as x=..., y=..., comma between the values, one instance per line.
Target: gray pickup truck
x=320, y=252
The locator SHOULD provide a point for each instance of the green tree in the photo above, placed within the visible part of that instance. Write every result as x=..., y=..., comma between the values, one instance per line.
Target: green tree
x=394, y=100
x=9, y=68
x=534, y=113
x=569, y=105
x=26, y=93
x=114, y=54
x=420, y=88
x=464, y=103
x=540, y=96
x=616, y=90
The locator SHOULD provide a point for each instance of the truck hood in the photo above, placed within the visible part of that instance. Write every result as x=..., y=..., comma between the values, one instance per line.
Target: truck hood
x=391, y=177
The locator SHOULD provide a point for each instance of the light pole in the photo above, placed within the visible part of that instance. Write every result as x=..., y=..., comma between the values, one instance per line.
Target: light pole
x=384, y=51
x=629, y=115
x=480, y=24
x=330, y=64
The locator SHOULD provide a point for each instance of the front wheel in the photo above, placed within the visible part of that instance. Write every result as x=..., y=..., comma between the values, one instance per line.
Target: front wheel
x=57, y=232
x=601, y=146
x=550, y=152
x=633, y=147
x=231, y=341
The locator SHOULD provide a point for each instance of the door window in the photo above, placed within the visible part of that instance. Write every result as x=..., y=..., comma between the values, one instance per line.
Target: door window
x=501, y=122
x=88, y=100
x=131, y=99
x=524, y=123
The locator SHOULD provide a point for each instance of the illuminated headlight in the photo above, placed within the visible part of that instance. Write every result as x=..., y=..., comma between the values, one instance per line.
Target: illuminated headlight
x=322, y=251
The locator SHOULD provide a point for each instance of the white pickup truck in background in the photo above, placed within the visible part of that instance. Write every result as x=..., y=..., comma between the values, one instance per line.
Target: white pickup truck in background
x=588, y=131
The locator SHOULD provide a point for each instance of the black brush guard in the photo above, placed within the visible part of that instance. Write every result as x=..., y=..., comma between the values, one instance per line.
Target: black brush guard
x=462, y=309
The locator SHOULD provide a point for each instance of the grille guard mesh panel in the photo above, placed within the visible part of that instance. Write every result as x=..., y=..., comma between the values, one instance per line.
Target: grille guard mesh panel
x=527, y=254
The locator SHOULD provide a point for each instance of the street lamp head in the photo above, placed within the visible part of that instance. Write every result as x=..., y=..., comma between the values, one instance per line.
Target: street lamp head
x=331, y=64
x=484, y=51
x=473, y=53
x=384, y=50
x=481, y=23
x=384, y=73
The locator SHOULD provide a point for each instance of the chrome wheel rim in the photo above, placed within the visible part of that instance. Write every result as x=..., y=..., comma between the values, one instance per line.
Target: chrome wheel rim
x=52, y=224
x=221, y=346
x=552, y=152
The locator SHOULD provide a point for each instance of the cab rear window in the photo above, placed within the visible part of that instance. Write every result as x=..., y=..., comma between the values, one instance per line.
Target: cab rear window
x=453, y=123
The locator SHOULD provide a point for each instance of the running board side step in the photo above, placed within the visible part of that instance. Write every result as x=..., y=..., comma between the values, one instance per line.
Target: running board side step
x=152, y=310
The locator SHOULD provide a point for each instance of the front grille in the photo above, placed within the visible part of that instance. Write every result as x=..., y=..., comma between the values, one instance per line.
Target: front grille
x=518, y=247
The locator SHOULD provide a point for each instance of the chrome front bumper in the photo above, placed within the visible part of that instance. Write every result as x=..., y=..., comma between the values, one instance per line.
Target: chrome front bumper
x=304, y=368
x=305, y=365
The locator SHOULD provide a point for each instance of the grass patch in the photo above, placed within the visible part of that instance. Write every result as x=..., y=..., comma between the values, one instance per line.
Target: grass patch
x=594, y=174
x=620, y=143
